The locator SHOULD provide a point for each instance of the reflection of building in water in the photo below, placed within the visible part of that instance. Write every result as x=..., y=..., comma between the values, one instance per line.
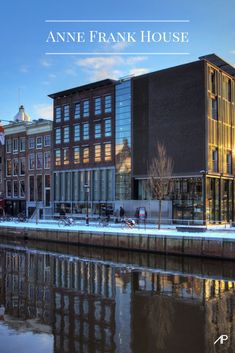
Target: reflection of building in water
x=84, y=306
x=171, y=313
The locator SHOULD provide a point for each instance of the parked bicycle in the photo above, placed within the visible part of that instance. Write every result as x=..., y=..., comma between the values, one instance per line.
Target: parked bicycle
x=21, y=217
x=128, y=223
x=66, y=221
x=104, y=221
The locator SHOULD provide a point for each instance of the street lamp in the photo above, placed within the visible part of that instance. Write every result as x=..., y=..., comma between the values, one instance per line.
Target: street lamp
x=87, y=189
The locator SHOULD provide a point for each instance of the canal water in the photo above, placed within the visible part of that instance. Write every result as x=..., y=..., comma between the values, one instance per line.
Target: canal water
x=58, y=298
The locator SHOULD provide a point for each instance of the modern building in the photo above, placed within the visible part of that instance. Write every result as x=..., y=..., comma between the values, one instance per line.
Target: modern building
x=105, y=137
x=27, y=176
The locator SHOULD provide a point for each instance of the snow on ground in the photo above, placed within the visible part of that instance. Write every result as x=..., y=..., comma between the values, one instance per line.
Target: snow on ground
x=211, y=233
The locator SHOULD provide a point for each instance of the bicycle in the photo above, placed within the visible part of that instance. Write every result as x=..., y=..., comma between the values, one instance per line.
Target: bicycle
x=128, y=223
x=103, y=221
x=21, y=217
x=66, y=221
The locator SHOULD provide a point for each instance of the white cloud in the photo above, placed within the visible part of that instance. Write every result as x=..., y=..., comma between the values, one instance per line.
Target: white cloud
x=71, y=72
x=44, y=111
x=96, y=63
x=135, y=59
x=45, y=63
x=120, y=46
x=24, y=69
x=139, y=71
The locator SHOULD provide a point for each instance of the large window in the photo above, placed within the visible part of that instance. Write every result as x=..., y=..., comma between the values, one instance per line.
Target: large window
x=66, y=156
x=66, y=134
x=107, y=128
x=215, y=159
x=31, y=142
x=57, y=157
x=76, y=132
x=8, y=146
x=47, y=140
x=39, y=188
x=22, y=188
x=98, y=130
x=108, y=104
x=58, y=136
x=15, y=188
x=86, y=108
x=86, y=131
x=77, y=111
x=15, y=145
x=76, y=155
x=97, y=105
x=39, y=160
x=9, y=188
x=58, y=114
x=214, y=108
x=22, y=144
x=15, y=166
x=107, y=152
x=47, y=184
x=31, y=188
x=98, y=153
x=22, y=166
x=31, y=161
x=85, y=157
x=9, y=167
x=66, y=112
x=47, y=160
x=213, y=82
x=229, y=162
x=39, y=142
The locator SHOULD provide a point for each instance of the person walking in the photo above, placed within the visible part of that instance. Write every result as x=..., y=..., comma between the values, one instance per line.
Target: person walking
x=121, y=213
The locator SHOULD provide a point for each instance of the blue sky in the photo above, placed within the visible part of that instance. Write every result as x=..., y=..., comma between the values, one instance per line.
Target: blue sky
x=28, y=75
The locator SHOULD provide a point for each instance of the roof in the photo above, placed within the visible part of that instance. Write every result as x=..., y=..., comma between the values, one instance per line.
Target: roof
x=21, y=115
x=219, y=62
x=89, y=86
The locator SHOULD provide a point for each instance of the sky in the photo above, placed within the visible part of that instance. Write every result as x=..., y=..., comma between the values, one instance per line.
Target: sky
x=28, y=74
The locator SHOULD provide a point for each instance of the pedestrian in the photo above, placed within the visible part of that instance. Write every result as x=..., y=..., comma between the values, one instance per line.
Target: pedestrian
x=121, y=213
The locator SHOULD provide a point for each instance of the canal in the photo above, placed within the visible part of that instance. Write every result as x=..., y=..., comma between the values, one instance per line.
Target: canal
x=58, y=298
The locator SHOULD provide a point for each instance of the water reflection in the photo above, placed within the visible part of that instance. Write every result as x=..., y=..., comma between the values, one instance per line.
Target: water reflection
x=75, y=304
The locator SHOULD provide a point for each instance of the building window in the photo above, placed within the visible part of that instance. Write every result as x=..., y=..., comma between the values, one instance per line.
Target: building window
x=15, y=166
x=107, y=128
x=86, y=108
x=66, y=112
x=66, y=134
x=47, y=160
x=97, y=153
x=47, y=181
x=85, y=156
x=9, y=167
x=22, y=144
x=31, y=142
x=15, y=188
x=107, y=152
x=58, y=136
x=31, y=161
x=58, y=114
x=47, y=140
x=57, y=157
x=213, y=82
x=15, y=145
x=8, y=146
x=31, y=188
x=108, y=104
x=66, y=156
x=76, y=132
x=229, y=87
x=215, y=159
x=9, y=188
x=47, y=184
x=86, y=131
x=39, y=188
x=39, y=160
x=97, y=105
x=229, y=162
x=97, y=130
x=76, y=155
x=214, y=108
x=22, y=188
x=22, y=166
x=77, y=111
x=39, y=142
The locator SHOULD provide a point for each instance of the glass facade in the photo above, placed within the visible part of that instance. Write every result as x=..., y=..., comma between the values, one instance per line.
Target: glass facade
x=123, y=140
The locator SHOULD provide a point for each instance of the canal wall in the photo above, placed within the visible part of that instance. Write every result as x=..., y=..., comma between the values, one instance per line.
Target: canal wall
x=203, y=246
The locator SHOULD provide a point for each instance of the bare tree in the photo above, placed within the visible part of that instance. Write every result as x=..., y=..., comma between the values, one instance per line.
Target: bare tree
x=159, y=177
